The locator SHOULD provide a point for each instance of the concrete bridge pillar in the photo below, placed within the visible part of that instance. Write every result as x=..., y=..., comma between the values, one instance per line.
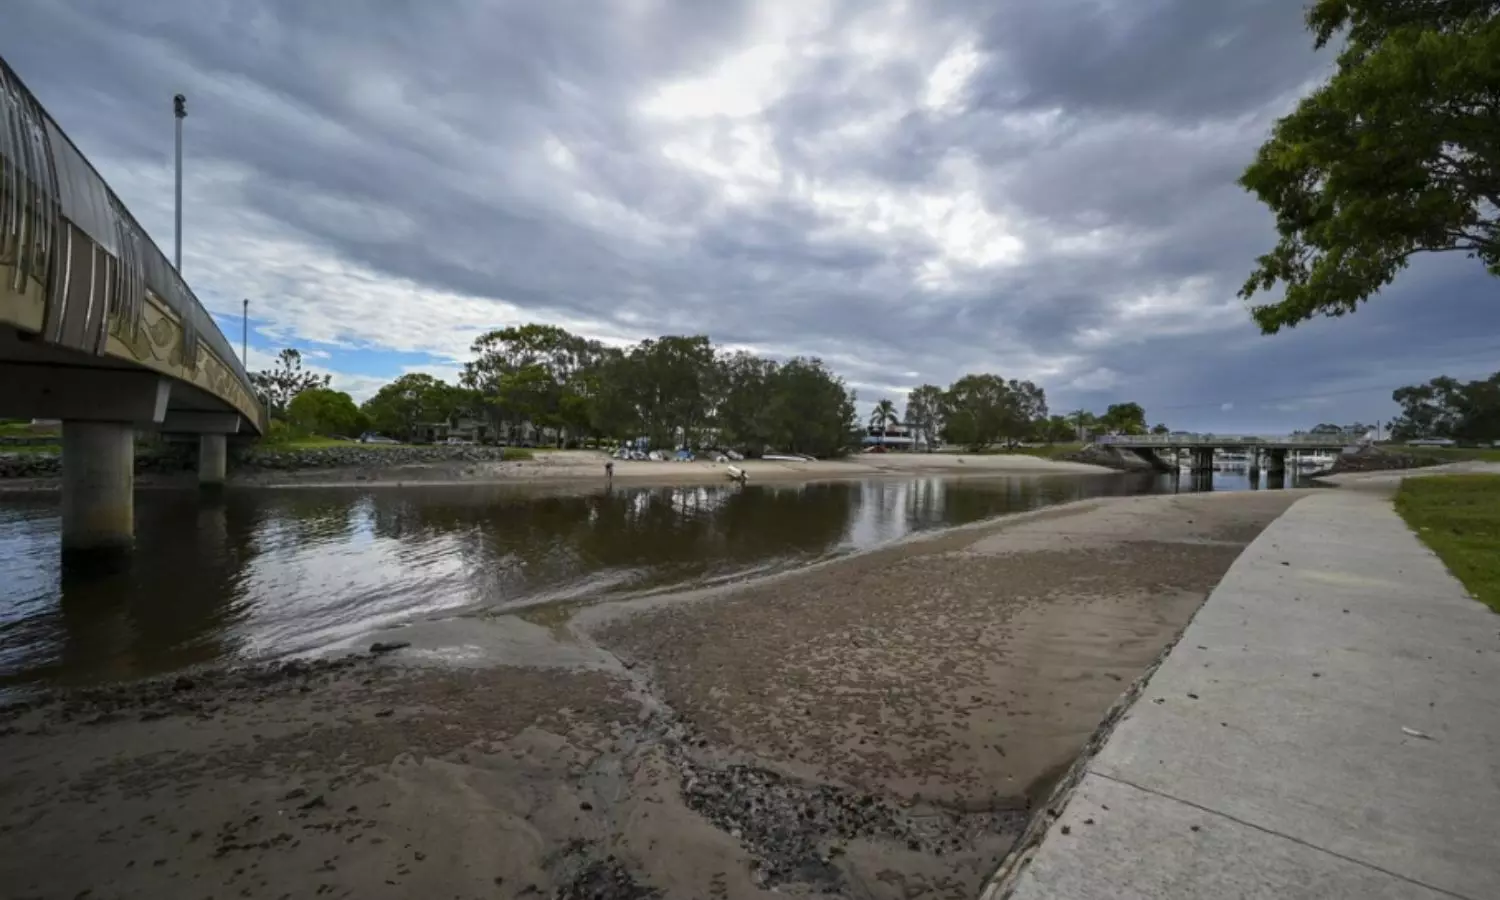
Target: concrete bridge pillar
x=1254, y=455
x=212, y=455
x=1276, y=461
x=98, y=484
x=1203, y=460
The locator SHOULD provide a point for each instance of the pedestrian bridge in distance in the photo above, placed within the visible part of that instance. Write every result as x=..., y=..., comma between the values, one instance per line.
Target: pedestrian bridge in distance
x=1183, y=441
x=1272, y=450
x=98, y=329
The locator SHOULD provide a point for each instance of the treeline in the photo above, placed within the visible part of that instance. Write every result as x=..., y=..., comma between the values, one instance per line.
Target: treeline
x=979, y=411
x=1446, y=408
x=543, y=380
x=671, y=390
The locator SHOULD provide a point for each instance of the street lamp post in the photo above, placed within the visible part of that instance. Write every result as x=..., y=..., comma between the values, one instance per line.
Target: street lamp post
x=245, y=333
x=179, y=110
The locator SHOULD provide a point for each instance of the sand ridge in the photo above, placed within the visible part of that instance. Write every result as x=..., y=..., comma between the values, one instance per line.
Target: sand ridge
x=870, y=727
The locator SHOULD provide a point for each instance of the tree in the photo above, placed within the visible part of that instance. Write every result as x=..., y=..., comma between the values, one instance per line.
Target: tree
x=1026, y=407
x=1447, y=408
x=400, y=406
x=743, y=416
x=285, y=380
x=978, y=406
x=1398, y=154
x=1059, y=429
x=924, y=414
x=1124, y=418
x=882, y=415
x=324, y=411
x=1084, y=423
x=812, y=411
x=1160, y=428
x=533, y=373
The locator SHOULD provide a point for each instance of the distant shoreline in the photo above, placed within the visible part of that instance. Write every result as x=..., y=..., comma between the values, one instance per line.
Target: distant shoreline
x=577, y=467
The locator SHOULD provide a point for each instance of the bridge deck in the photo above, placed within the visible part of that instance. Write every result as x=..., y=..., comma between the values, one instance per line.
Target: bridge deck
x=82, y=286
x=1227, y=441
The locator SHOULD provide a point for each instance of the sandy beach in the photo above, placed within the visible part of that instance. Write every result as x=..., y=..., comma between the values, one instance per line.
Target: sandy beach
x=876, y=726
x=576, y=466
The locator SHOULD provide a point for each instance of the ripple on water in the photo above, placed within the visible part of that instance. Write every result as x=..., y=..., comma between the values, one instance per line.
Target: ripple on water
x=264, y=573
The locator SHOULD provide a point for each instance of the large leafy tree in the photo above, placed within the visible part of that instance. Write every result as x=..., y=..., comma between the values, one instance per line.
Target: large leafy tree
x=812, y=409
x=1398, y=154
x=1448, y=408
x=540, y=374
x=1124, y=418
x=285, y=380
x=977, y=408
x=399, y=407
x=325, y=411
x=744, y=415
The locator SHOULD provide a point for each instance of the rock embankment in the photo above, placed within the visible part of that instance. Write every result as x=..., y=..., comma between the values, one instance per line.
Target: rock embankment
x=1108, y=457
x=1379, y=459
x=148, y=460
x=183, y=457
x=358, y=456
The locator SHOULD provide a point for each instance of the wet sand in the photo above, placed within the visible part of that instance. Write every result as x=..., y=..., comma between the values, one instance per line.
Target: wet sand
x=560, y=467
x=555, y=468
x=871, y=727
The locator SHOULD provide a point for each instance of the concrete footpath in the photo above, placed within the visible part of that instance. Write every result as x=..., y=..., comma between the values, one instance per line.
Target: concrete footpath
x=1328, y=726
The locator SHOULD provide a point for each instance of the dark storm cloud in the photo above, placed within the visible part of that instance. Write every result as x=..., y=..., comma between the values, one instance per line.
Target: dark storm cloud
x=401, y=175
x=1183, y=59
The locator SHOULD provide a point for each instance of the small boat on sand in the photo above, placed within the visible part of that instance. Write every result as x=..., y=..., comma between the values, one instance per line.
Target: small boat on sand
x=735, y=473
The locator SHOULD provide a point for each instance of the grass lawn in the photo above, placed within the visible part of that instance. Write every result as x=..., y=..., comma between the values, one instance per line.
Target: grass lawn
x=1458, y=516
x=1454, y=454
x=318, y=442
x=50, y=449
x=26, y=429
x=1045, y=451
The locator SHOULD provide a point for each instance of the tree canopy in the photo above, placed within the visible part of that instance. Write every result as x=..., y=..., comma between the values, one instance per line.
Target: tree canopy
x=325, y=411
x=681, y=389
x=1397, y=155
x=284, y=381
x=397, y=408
x=1448, y=408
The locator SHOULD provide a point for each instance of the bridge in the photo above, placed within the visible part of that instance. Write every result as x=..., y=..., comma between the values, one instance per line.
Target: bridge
x=99, y=330
x=1272, y=449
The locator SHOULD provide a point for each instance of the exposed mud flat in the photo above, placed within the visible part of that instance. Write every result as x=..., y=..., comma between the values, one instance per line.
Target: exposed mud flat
x=873, y=727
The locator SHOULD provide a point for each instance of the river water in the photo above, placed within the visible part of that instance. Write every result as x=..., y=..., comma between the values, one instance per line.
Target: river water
x=267, y=572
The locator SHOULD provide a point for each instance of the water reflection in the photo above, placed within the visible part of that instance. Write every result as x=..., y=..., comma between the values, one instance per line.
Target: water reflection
x=266, y=573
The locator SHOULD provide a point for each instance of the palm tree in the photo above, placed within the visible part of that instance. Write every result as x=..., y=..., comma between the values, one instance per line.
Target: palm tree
x=882, y=415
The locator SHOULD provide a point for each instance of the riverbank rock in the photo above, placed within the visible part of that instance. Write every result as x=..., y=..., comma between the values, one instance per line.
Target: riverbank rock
x=148, y=460
x=182, y=457
x=1109, y=458
x=1379, y=459
x=356, y=456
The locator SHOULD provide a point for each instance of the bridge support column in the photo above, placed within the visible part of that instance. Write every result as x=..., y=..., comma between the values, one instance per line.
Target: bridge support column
x=1276, y=462
x=1254, y=456
x=1203, y=460
x=213, y=450
x=98, y=482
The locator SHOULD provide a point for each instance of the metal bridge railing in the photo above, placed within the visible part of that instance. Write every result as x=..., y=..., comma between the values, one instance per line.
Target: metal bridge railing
x=1182, y=440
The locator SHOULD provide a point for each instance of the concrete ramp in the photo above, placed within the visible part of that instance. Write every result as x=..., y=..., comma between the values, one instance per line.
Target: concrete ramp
x=1326, y=727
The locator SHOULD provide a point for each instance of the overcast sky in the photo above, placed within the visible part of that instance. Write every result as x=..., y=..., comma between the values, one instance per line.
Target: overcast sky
x=1038, y=188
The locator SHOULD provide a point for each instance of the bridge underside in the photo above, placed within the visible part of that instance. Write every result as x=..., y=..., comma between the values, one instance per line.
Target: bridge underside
x=98, y=329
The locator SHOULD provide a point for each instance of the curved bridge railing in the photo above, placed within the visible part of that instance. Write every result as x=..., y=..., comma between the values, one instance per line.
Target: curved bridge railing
x=1228, y=440
x=63, y=230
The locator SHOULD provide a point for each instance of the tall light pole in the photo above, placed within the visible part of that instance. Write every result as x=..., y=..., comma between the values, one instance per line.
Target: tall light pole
x=179, y=110
x=245, y=334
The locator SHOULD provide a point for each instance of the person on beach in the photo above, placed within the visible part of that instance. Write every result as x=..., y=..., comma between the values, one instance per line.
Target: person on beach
x=609, y=469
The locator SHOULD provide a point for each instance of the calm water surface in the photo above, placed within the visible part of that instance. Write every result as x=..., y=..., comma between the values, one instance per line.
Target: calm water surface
x=265, y=573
